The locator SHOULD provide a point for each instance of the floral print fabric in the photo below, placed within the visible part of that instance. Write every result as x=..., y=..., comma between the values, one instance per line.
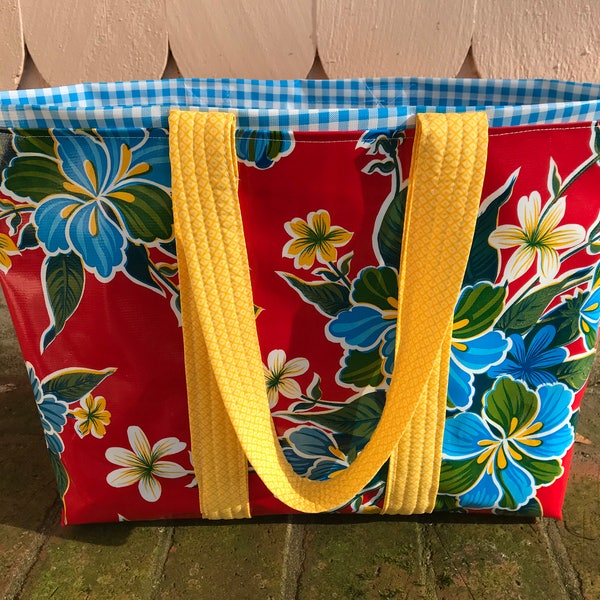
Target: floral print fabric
x=90, y=272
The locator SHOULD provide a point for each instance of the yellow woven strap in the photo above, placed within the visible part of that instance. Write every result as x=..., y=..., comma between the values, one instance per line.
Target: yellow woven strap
x=445, y=182
x=202, y=180
x=223, y=361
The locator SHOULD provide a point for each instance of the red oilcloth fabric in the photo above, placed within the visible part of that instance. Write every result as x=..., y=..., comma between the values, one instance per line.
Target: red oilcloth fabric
x=90, y=275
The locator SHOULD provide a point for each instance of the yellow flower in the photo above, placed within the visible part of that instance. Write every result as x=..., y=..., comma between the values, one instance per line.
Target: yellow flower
x=537, y=237
x=144, y=464
x=314, y=238
x=279, y=373
x=92, y=417
x=7, y=247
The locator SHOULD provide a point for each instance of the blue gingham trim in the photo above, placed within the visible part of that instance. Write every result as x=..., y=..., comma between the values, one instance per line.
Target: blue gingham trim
x=304, y=105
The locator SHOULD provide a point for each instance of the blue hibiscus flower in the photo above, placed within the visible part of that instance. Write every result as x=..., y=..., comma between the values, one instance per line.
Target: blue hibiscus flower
x=499, y=458
x=367, y=327
x=314, y=453
x=530, y=357
x=262, y=148
x=104, y=193
x=475, y=346
x=470, y=356
x=53, y=413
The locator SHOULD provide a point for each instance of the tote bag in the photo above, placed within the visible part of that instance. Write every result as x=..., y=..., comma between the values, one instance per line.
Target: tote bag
x=359, y=296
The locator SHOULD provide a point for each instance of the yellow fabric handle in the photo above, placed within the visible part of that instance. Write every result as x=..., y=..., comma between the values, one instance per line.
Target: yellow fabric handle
x=204, y=174
x=226, y=387
x=444, y=191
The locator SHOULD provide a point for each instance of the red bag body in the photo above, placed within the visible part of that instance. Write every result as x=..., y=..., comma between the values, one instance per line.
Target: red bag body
x=90, y=276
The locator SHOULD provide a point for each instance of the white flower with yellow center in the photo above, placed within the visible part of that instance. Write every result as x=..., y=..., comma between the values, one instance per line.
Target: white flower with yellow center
x=539, y=236
x=144, y=464
x=279, y=373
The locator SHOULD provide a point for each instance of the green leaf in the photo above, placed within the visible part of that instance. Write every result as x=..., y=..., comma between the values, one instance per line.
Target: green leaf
x=329, y=298
x=356, y=504
x=386, y=145
x=314, y=389
x=301, y=406
x=591, y=337
x=13, y=223
x=28, y=237
x=147, y=211
x=35, y=177
x=60, y=473
x=575, y=419
x=483, y=264
x=511, y=405
x=594, y=239
x=478, y=307
x=7, y=153
x=574, y=372
x=34, y=141
x=386, y=167
x=532, y=508
x=169, y=248
x=508, y=500
x=362, y=369
x=48, y=337
x=344, y=263
x=389, y=236
x=377, y=286
x=543, y=471
x=555, y=180
x=326, y=274
x=63, y=278
x=596, y=277
x=525, y=313
x=596, y=138
x=167, y=270
x=350, y=444
x=445, y=503
x=351, y=454
x=71, y=385
x=565, y=319
x=458, y=476
x=274, y=145
x=357, y=418
x=137, y=266
x=6, y=204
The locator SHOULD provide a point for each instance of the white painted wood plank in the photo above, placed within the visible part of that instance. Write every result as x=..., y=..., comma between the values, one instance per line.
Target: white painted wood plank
x=242, y=38
x=92, y=40
x=558, y=39
x=360, y=38
x=12, y=49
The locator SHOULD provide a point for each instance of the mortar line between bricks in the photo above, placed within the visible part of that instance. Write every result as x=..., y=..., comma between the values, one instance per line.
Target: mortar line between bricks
x=293, y=559
x=560, y=560
x=22, y=570
x=425, y=564
x=452, y=563
x=162, y=554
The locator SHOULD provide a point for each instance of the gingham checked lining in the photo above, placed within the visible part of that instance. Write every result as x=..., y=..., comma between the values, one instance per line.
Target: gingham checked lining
x=345, y=104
